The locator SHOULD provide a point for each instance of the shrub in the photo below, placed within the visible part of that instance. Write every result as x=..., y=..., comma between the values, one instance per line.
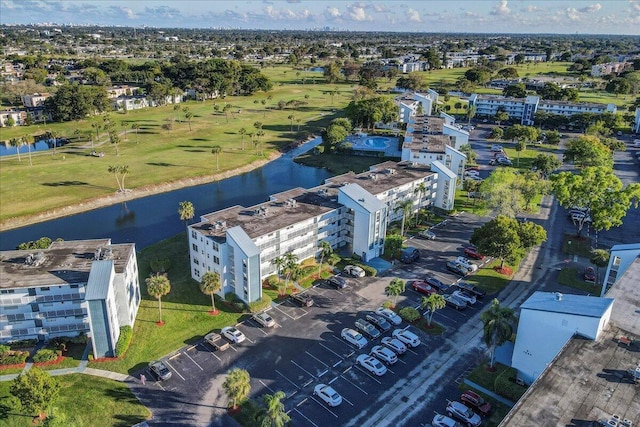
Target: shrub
x=126, y=333
x=160, y=265
x=45, y=355
x=23, y=343
x=4, y=349
x=409, y=314
x=506, y=386
x=80, y=339
x=13, y=357
x=387, y=304
x=370, y=271
x=260, y=305
x=230, y=297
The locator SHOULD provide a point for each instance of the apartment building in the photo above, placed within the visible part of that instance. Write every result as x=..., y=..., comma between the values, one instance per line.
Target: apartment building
x=524, y=109
x=622, y=256
x=413, y=103
x=34, y=100
x=349, y=211
x=608, y=68
x=83, y=286
x=636, y=121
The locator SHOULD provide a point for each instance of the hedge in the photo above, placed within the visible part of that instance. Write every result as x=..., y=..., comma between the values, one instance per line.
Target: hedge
x=506, y=386
x=13, y=357
x=261, y=304
x=409, y=314
x=44, y=355
x=126, y=333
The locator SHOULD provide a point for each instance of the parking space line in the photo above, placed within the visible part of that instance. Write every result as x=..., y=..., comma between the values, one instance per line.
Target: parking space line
x=402, y=361
x=268, y=388
x=302, y=401
x=333, y=380
x=355, y=385
x=316, y=358
x=322, y=373
x=253, y=322
x=325, y=407
x=313, y=376
x=201, y=368
x=346, y=400
x=286, y=314
x=307, y=383
x=160, y=385
x=174, y=370
x=302, y=415
x=327, y=348
x=368, y=374
x=286, y=378
x=408, y=349
x=337, y=363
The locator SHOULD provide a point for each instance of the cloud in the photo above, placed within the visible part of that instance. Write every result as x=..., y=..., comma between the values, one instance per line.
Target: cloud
x=592, y=8
x=121, y=11
x=501, y=9
x=380, y=8
x=635, y=5
x=163, y=12
x=531, y=9
x=293, y=1
x=357, y=13
x=332, y=13
x=573, y=14
x=413, y=15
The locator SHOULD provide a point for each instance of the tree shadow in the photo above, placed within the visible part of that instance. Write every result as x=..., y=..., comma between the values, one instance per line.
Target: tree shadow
x=72, y=184
x=200, y=139
x=160, y=164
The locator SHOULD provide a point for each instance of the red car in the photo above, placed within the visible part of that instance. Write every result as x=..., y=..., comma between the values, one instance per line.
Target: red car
x=476, y=402
x=589, y=274
x=472, y=252
x=422, y=287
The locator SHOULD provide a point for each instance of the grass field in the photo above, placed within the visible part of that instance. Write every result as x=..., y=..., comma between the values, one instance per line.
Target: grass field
x=84, y=401
x=570, y=276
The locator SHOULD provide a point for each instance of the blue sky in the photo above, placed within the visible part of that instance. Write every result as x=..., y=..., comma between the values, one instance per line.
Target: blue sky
x=477, y=16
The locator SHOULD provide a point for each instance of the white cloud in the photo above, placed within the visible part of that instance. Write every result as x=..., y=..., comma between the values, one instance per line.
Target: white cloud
x=357, y=13
x=573, y=14
x=501, y=9
x=380, y=8
x=332, y=12
x=531, y=9
x=591, y=8
x=413, y=15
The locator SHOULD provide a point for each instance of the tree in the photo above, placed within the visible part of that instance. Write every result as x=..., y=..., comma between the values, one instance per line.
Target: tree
x=325, y=251
x=587, y=151
x=529, y=185
x=520, y=146
x=406, y=206
x=531, y=234
x=120, y=172
x=210, y=285
x=599, y=258
x=498, y=238
x=501, y=116
x=186, y=211
x=157, y=287
x=432, y=303
x=273, y=414
x=28, y=140
x=496, y=133
x=394, y=289
x=242, y=132
x=237, y=385
x=216, y=150
x=114, y=138
x=135, y=127
x=544, y=164
x=36, y=390
x=501, y=192
x=280, y=263
x=16, y=142
x=188, y=115
x=467, y=150
x=498, y=322
x=333, y=135
x=290, y=264
x=226, y=109
x=471, y=113
x=291, y=118
x=517, y=90
x=412, y=81
x=332, y=72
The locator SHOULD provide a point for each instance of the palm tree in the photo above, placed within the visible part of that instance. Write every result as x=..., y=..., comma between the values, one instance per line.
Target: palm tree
x=291, y=118
x=16, y=142
x=135, y=127
x=259, y=135
x=115, y=170
x=28, y=140
x=290, y=264
x=394, y=289
x=97, y=128
x=123, y=123
x=188, y=115
x=406, y=206
x=432, y=303
x=114, y=138
x=298, y=121
x=216, y=150
x=186, y=211
x=273, y=414
x=498, y=324
x=210, y=285
x=280, y=263
x=237, y=385
x=226, y=110
x=520, y=146
x=264, y=104
x=325, y=251
x=158, y=286
x=419, y=190
x=242, y=132
x=124, y=170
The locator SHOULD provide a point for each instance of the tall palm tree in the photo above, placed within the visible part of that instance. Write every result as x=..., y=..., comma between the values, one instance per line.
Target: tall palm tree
x=520, y=146
x=135, y=127
x=280, y=263
x=98, y=128
x=432, y=303
x=158, y=286
x=237, y=385
x=16, y=142
x=291, y=118
x=210, y=285
x=216, y=150
x=290, y=264
x=124, y=123
x=325, y=251
x=405, y=206
x=394, y=289
x=188, y=115
x=420, y=190
x=259, y=135
x=498, y=324
x=114, y=138
x=186, y=211
x=273, y=414
x=242, y=132
x=226, y=109
x=28, y=140
x=599, y=258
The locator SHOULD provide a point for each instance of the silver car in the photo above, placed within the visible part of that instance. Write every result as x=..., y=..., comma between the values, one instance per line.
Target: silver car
x=384, y=354
x=395, y=344
x=264, y=319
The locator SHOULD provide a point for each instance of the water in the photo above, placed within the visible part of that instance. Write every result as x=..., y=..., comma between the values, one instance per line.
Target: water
x=151, y=219
x=41, y=145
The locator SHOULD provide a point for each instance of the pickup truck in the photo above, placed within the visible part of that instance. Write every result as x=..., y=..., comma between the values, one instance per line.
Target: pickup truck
x=215, y=340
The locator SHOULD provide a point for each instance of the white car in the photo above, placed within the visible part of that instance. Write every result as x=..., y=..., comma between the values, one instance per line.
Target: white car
x=466, y=263
x=471, y=172
x=465, y=296
x=353, y=337
x=636, y=142
x=395, y=344
x=463, y=413
x=354, y=271
x=444, y=421
x=264, y=319
x=371, y=364
x=390, y=315
x=497, y=148
x=232, y=334
x=385, y=354
x=327, y=394
x=427, y=234
x=408, y=338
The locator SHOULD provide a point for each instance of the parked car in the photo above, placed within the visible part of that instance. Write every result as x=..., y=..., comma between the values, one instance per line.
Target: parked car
x=389, y=314
x=422, y=287
x=636, y=142
x=354, y=271
x=264, y=319
x=233, y=334
x=589, y=274
x=472, y=168
x=371, y=364
x=353, y=337
x=465, y=296
x=454, y=302
x=432, y=281
x=476, y=402
x=471, y=172
x=409, y=255
x=466, y=263
x=503, y=161
x=444, y=421
x=475, y=291
x=384, y=354
x=395, y=344
x=215, y=340
x=427, y=234
x=159, y=370
x=472, y=252
x=337, y=282
x=327, y=394
x=463, y=413
x=496, y=147
x=408, y=338
x=378, y=321
x=367, y=329
x=302, y=300
x=577, y=217
x=457, y=268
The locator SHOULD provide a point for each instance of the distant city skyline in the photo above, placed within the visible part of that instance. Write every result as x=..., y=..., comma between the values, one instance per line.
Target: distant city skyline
x=451, y=16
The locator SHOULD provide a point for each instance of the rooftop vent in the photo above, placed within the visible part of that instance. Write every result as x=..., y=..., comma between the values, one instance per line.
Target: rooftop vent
x=558, y=296
x=390, y=171
x=34, y=259
x=291, y=203
x=219, y=225
x=373, y=176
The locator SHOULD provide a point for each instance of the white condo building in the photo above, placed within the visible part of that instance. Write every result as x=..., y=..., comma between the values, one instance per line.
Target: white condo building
x=83, y=286
x=636, y=122
x=349, y=211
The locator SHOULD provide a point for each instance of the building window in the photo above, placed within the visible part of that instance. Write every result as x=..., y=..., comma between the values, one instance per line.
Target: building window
x=194, y=247
x=193, y=234
x=216, y=260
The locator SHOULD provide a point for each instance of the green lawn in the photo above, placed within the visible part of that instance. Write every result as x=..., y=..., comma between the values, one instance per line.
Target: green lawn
x=570, y=276
x=471, y=205
x=498, y=410
x=490, y=280
x=572, y=245
x=72, y=358
x=184, y=311
x=84, y=401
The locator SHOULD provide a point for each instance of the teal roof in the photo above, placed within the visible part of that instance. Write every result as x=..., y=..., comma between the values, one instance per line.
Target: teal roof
x=99, y=280
x=581, y=305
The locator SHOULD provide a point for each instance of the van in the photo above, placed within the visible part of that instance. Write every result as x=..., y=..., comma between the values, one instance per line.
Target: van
x=409, y=255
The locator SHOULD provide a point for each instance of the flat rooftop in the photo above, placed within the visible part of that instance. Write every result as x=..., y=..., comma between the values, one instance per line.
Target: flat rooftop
x=586, y=383
x=556, y=302
x=62, y=263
